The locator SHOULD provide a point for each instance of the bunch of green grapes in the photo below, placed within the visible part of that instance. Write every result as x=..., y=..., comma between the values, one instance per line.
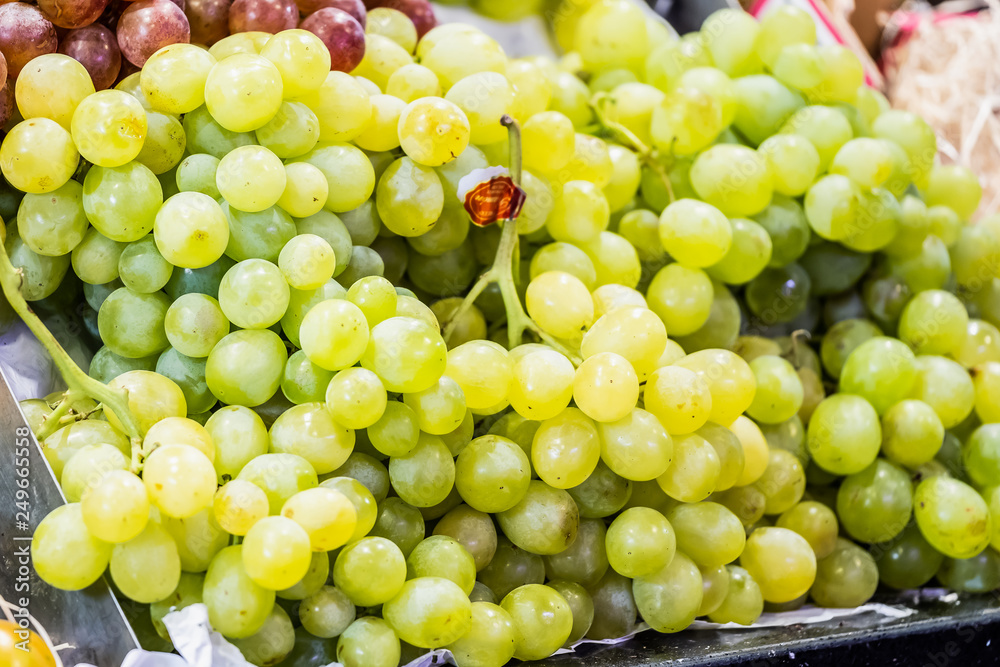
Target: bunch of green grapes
x=761, y=361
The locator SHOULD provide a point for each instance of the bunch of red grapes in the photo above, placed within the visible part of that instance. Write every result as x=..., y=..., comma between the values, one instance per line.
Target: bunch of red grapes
x=114, y=38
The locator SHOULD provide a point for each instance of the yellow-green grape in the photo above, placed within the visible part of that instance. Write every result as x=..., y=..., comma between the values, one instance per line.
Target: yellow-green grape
x=380, y=133
x=173, y=79
x=424, y=361
x=975, y=256
x=491, y=638
x=244, y=42
x=615, y=260
x=301, y=58
x=453, y=51
x=952, y=516
x=814, y=521
x=38, y=156
x=334, y=334
x=735, y=179
x=591, y=162
x=934, y=322
x=365, y=508
x=116, y=508
x=55, y=223
x=109, y=128
x=368, y=642
x=484, y=371
x=633, y=107
x=755, y=450
x=164, y=145
x=946, y=387
x=64, y=553
x=730, y=450
x=393, y=24
x=179, y=431
x=670, y=598
x=986, y=384
x=729, y=379
x=686, y=121
x=309, y=431
x=682, y=297
x=542, y=620
x=782, y=27
x=874, y=505
x=198, y=539
x=356, y=398
x=748, y=255
x=370, y=571
x=445, y=557
x=609, y=297
x=434, y=131
x=779, y=390
x=342, y=106
x=979, y=456
x=424, y=476
x=409, y=197
x=606, y=387
x=707, y=532
x=844, y=434
x=848, y=577
x=549, y=141
x=273, y=642
x=254, y=295
x=151, y=397
x=826, y=128
x=327, y=516
x=560, y=304
x=132, y=85
x=781, y=562
x=33, y=89
x=743, y=603
x=532, y=87
x=580, y=212
x=667, y=61
x=914, y=136
x=865, y=161
x=641, y=228
x=383, y=56
x=87, y=466
x=565, y=449
x=238, y=505
x=679, y=397
x=147, y=568
x=440, y=408
x=429, y=612
x=632, y=332
x=944, y=224
x=730, y=36
x=180, y=480
x=611, y=33
x=694, y=472
x=411, y=82
x=566, y=257
x=793, y=160
x=953, y=186
x=307, y=262
x=783, y=481
x=544, y=522
x=483, y=98
x=236, y=605
x=292, y=132
x=191, y=230
x=276, y=553
x=251, y=178
x=306, y=190
x=714, y=588
x=492, y=474
x=912, y=433
x=243, y=92
x=640, y=541
x=541, y=384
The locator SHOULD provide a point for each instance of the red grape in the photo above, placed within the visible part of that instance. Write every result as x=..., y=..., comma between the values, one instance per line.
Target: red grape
x=147, y=26
x=355, y=8
x=342, y=34
x=179, y=3
x=24, y=34
x=209, y=20
x=263, y=15
x=419, y=11
x=3, y=67
x=72, y=13
x=97, y=49
x=6, y=103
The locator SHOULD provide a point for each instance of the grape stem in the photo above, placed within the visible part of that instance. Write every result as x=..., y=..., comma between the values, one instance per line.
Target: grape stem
x=80, y=384
x=627, y=137
x=502, y=271
x=59, y=416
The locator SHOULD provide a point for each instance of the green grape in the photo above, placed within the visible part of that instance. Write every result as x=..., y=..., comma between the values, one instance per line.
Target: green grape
x=636, y=334
x=132, y=324
x=598, y=50
x=640, y=542
x=730, y=452
x=815, y=522
x=272, y=642
x=744, y=601
x=946, y=387
x=981, y=345
x=355, y=397
x=280, y=476
x=826, y=128
x=602, y=494
x=912, y=433
x=194, y=323
x=41, y=274
x=565, y=257
x=565, y=449
x=914, y=136
x=783, y=27
x=429, y=612
x=121, y=202
x=748, y=255
x=189, y=375
x=952, y=517
x=544, y=521
x=593, y=383
x=928, y=269
x=64, y=553
x=309, y=431
x=542, y=620
x=146, y=568
x=164, y=145
x=714, y=588
x=782, y=483
x=370, y=571
x=142, y=268
x=934, y=322
x=779, y=391
x=584, y=562
x=953, y=186
x=708, y=533
x=375, y=296
x=781, y=562
x=424, y=361
x=878, y=221
x=188, y=592
x=695, y=232
x=730, y=382
x=395, y=432
x=763, y=104
x=694, y=472
x=442, y=556
x=841, y=340
x=979, y=574
x=794, y=163
x=730, y=35
x=985, y=384
x=243, y=92
x=239, y=436
x=291, y=132
x=981, y=456
x=206, y=136
x=580, y=212
x=198, y=539
x=53, y=224
x=368, y=642
x=409, y=198
x=246, y=366
x=847, y=577
x=303, y=381
x=779, y=294
x=327, y=516
x=881, y=370
x=202, y=281
x=326, y=613
x=276, y=553
x=349, y=173
x=474, y=530
x=670, y=598
x=365, y=508
x=87, y=467
x=95, y=259
x=735, y=179
x=874, y=505
x=250, y=178
x=180, y=480
x=425, y=475
x=238, y=505
x=786, y=224
x=440, y=408
x=151, y=397
x=865, y=161
x=369, y=471
x=237, y=606
x=362, y=223
x=681, y=297
x=614, y=607
x=844, y=434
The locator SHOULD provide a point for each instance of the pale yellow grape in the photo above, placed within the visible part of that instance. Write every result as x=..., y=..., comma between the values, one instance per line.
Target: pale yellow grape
x=609, y=297
x=307, y=261
x=411, y=82
x=382, y=57
x=433, y=131
x=694, y=471
x=424, y=362
x=636, y=447
x=306, y=190
x=301, y=58
x=380, y=133
x=173, y=79
x=356, y=398
x=244, y=42
x=376, y=297
x=334, y=334
x=253, y=294
x=615, y=260
x=52, y=86
x=455, y=52
x=565, y=449
x=729, y=379
x=633, y=107
x=369, y=86
x=327, y=515
x=591, y=162
x=612, y=33
x=484, y=98
x=784, y=26
x=625, y=178
x=560, y=304
x=151, y=397
x=541, y=384
x=109, y=128
x=679, y=397
x=308, y=432
x=484, y=371
x=606, y=387
x=755, y=449
x=292, y=132
x=38, y=156
x=116, y=509
x=238, y=505
x=440, y=408
x=191, y=230
x=178, y=431
x=243, y=92
x=251, y=178
x=580, y=213
x=794, y=162
x=276, y=553
x=87, y=467
x=349, y=174
x=64, y=553
x=180, y=480
x=532, y=88
x=549, y=141
x=686, y=121
x=781, y=562
x=393, y=24
x=147, y=568
x=682, y=297
x=132, y=85
x=696, y=234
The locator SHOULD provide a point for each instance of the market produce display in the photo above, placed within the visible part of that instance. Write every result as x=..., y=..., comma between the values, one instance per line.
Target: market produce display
x=738, y=350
